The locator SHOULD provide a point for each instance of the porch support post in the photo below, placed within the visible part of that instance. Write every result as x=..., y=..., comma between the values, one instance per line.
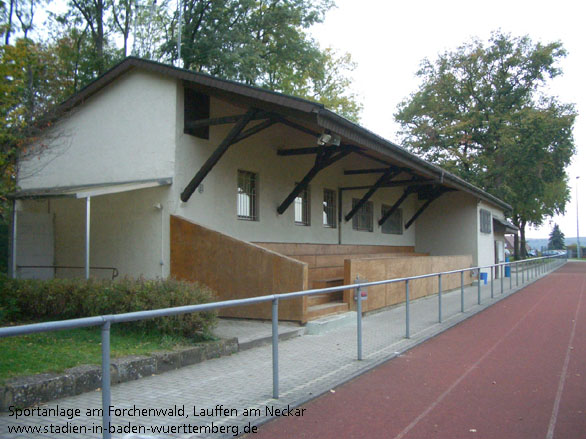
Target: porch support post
x=389, y=174
x=13, y=267
x=421, y=209
x=395, y=206
x=87, y=237
x=322, y=161
x=228, y=141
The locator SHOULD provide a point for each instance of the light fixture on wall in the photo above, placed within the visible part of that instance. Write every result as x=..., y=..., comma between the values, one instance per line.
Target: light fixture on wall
x=328, y=139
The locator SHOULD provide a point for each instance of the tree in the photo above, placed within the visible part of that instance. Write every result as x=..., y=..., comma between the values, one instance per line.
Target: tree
x=556, y=239
x=481, y=113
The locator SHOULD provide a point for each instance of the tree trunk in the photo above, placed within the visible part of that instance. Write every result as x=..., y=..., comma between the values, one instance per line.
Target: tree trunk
x=517, y=254
x=9, y=26
x=523, y=241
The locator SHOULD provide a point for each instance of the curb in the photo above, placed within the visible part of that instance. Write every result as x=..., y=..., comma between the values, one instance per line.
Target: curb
x=32, y=390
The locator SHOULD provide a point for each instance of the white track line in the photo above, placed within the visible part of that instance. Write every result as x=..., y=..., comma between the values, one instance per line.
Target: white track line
x=558, y=396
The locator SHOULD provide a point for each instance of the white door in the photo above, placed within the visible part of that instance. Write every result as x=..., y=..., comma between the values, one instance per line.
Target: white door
x=35, y=245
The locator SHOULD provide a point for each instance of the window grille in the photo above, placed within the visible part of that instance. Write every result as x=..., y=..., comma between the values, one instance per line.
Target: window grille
x=329, y=214
x=362, y=220
x=302, y=208
x=393, y=225
x=247, y=196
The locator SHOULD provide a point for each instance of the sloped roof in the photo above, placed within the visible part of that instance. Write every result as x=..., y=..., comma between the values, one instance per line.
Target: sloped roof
x=317, y=113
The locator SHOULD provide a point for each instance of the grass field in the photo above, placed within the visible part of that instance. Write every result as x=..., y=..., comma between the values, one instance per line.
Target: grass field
x=57, y=351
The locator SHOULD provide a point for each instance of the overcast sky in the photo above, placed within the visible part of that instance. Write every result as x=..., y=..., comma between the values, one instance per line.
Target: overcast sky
x=388, y=40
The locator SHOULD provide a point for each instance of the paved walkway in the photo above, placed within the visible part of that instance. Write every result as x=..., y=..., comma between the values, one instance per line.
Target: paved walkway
x=230, y=395
x=518, y=370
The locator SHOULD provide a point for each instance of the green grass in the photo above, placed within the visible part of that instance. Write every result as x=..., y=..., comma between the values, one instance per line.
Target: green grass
x=60, y=350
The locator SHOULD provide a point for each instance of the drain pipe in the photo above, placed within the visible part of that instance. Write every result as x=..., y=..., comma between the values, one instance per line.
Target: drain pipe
x=159, y=206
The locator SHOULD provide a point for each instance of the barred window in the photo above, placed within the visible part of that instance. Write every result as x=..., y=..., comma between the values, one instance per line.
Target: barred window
x=362, y=220
x=485, y=221
x=394, y=224
x=247, y=196
x=329, y=215
x=302, y=208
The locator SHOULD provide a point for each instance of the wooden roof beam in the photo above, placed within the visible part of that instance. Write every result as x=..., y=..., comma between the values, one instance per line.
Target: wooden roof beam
x=395, y=206
x=228, y=141
x=389, y=174
x=322, y=160
x=425, y=205
x=221, y=120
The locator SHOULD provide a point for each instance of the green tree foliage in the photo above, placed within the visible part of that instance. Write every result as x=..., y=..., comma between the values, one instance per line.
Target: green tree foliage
x=481, y=113
x=556, y=239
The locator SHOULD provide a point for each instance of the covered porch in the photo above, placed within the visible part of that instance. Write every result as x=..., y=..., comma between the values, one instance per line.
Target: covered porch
x=89, y=231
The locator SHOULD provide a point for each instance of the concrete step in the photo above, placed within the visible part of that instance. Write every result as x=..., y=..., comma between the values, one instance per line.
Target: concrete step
x=329, y=323
x=326, y=309
x=327, y=283
x=319, y=299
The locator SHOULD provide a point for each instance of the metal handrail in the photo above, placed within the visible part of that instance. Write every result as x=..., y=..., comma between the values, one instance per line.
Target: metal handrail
x=114, y=269
x=105, y=321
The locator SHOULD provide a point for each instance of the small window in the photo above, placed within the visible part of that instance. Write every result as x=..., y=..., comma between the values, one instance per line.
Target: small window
x=196, y=106
x=329, y=214
x=393, y=225
x=485, y=221
x=302, y=208
x=362, y=220
x=247, y=196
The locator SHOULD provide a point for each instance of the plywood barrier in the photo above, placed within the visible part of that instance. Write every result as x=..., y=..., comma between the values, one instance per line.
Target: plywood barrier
x=381, y=268
x=237, y=269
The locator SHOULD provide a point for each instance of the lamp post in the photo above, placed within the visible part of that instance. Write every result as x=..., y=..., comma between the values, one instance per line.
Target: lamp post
x=578, y=220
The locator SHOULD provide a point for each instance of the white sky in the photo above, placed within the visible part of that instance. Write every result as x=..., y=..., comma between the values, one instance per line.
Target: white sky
x=388, y=39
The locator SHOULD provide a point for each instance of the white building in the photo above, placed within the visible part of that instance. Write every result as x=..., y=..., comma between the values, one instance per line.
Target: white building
x=146, y=143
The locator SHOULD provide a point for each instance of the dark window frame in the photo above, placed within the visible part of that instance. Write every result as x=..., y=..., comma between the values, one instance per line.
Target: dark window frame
x=485, y=221
x=329, y=208
x=363, y=220
x=301, y=206
x=394, y=222
x=247, y=185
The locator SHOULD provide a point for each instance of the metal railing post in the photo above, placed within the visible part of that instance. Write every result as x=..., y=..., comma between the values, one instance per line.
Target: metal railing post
x=275, y=342
x=359, y=322
x=492, y=275
x=479, y=286
x=407, y=334
x=106, y=395
x=462, y=291
x=439, y=295
x=502, y=272
x=522, y=273
x=517, y=273
x=510, y=277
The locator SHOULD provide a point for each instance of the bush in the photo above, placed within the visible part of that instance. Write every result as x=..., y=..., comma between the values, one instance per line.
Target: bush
x=59, y=299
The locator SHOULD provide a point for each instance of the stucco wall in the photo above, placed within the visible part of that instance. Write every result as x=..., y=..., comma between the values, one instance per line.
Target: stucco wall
x=236, y=269
x=486, y=241
x=214, y=204
x=125, y=132
x=125, y=232
x=449, y=226
x=375, y=268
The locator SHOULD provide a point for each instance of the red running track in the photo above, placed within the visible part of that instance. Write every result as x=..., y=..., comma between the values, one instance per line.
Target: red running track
x=515, y=371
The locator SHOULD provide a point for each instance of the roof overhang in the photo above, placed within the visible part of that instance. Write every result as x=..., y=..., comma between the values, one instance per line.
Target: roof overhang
x=90, y=190
x=310, y=113
x=508, y=227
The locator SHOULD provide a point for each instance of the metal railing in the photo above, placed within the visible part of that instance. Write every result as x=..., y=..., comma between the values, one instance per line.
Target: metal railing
x=529, y=269
x=70, y=267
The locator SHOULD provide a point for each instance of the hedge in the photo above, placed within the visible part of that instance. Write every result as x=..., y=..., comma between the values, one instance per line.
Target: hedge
x=59, y=299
